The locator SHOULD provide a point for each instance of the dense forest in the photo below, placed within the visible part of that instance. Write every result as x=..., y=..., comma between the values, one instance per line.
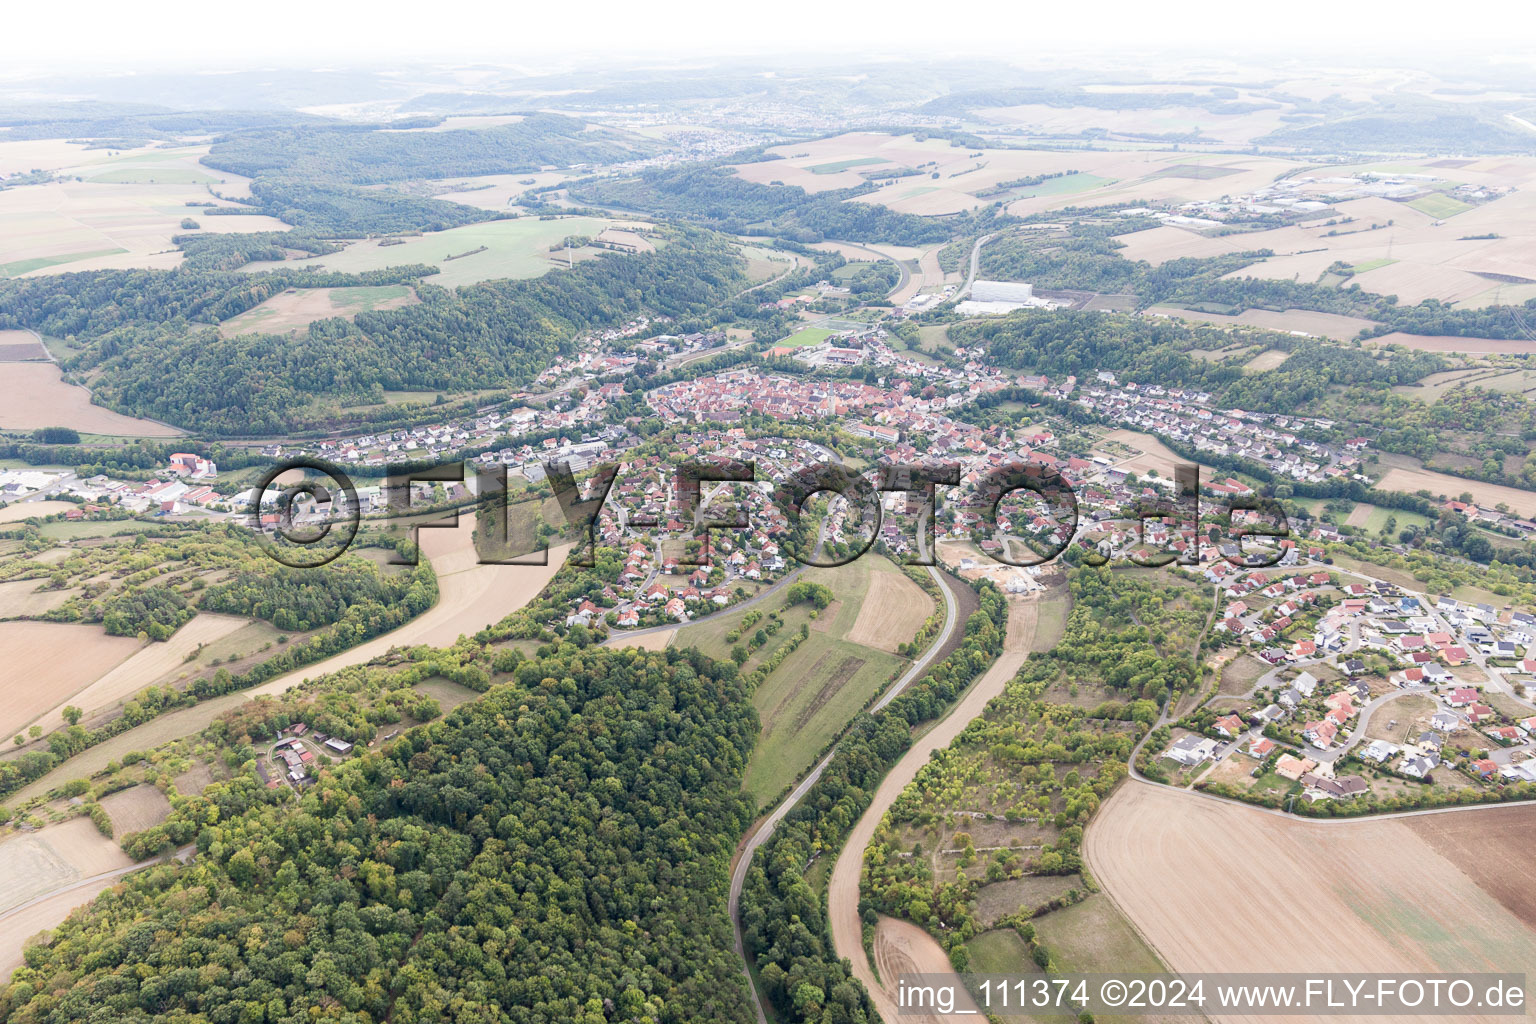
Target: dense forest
x=132, y=327
x=717, y=198
x=556, y=851
x=347, y=211
x=364, y=155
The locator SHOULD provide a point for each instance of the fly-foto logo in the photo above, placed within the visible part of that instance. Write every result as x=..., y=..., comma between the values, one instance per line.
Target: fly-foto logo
x=309, y=511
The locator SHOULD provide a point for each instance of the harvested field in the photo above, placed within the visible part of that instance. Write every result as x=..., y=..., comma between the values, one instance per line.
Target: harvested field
x=46, y=874
x=1305, y=321
x=20, y=510
x=20, y=346
x=470, y=596
x=656, y=641
x=1168, y=859
x=48, y=663
x=297, y=308
x=1452, y=343
x=903, y=948
x=24, y=598
x=1442, y=485
x=1359, y=515
x=136, y=809
x=19, y=926
x=34, y=395
x=893, y=611
x=1266, y=360
x=1153, y=453
x=194, y=780
x=149, y=665
x=37, y=863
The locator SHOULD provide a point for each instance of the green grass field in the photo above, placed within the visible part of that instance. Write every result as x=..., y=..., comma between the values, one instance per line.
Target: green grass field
x=20, y=267
x=154, y=176
x=1094, y=936
x=814, y=693
x=843, y=165
x=1066, y=185
x=1000, y=951
x=1439, y=206
x=1366, y=266
x=807, y=336
x=513, y=249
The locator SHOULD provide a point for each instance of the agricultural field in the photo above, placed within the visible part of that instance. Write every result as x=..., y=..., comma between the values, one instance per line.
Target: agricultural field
x=48, y=664
x=1303, y=321
x=17, y=511
x=34, y=394
x=154, y=663
x=892, y=611
x=296, y=308
x=1456, y=344
x=465, y=255
x=1441, y=485
x=136, y=808
x=819, y=687
x=1162, y=856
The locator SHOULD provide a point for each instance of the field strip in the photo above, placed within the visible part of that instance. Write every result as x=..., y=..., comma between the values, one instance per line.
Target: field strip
x=47, y=663
x=843, y=887
x=468, y=600
x=146, y=666
x=892, y=613
x=759, y=834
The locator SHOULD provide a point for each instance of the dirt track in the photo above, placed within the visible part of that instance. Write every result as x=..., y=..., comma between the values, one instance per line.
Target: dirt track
x=1215, y=886
x=843, y=888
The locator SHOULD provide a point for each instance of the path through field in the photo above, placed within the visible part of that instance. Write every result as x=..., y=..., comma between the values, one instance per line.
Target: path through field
x=843, y=887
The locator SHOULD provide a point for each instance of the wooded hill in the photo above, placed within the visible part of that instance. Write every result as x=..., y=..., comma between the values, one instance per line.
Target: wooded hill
x=556, y=851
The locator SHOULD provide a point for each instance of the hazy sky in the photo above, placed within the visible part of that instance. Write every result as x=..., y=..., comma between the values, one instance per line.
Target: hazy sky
x=79, y=34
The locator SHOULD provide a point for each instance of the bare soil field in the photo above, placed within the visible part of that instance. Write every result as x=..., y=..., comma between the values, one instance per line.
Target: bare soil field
x=843, y=885
x=18, y=926
x=1321, y=325
x=34, y=864
x=20, y=510
x=151, y=664
x=903, y=948
x=892, y=611
x=297, y=308
x=1411, y=480
x=136, y=809
x=1493, y=847
x=23, y=598
x=656, y=641
x=34, y=395
x=47, y=663
x=1369, y=896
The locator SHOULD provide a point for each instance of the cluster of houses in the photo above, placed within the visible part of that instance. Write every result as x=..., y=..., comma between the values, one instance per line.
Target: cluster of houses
x=297, y=756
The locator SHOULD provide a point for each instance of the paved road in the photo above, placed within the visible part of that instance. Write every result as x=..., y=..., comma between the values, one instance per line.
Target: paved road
x=970, y=278
x=765, y=827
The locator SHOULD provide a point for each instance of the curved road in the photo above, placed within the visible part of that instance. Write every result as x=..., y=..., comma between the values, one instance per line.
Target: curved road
x=765, y=827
